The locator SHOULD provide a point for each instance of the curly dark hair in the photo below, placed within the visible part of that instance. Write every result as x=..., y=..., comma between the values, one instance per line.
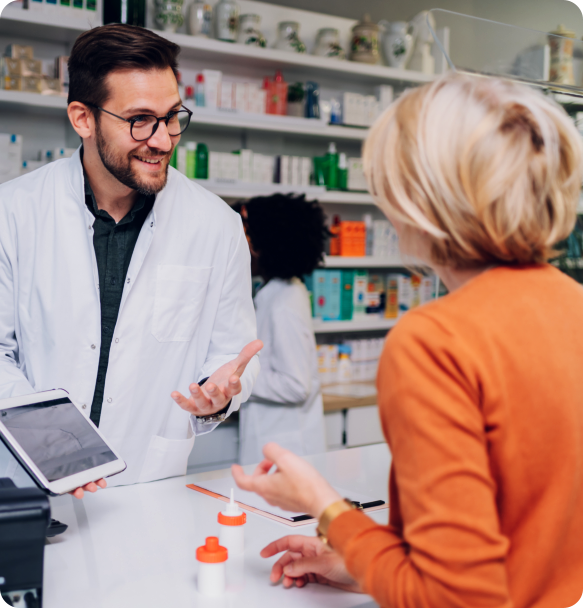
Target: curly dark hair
x=287, y=232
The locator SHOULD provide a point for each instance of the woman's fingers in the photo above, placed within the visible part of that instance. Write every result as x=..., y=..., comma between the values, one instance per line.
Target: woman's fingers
x=293, y=542
x=263, y=468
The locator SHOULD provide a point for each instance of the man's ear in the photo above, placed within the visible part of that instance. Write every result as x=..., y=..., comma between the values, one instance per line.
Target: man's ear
x=82, y=119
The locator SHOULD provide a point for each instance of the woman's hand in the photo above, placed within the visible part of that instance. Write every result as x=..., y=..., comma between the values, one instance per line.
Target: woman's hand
x=90, y=487
x=294, y=486
x=308, y=560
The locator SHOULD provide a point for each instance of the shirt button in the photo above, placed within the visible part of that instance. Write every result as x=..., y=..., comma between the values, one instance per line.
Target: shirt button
x=93, y=346
x=128, y=281
x=84, y=406
x=152, y=225
x=116, y=340
x=109, y=400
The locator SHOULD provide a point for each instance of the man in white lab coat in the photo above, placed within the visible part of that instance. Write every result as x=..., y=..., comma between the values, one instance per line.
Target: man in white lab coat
x=122, y=281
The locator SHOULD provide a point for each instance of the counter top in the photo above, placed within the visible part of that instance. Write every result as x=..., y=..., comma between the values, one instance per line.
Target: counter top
x=134, y=546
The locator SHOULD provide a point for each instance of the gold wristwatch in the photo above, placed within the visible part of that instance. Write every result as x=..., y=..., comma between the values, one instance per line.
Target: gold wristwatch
x=330, y=513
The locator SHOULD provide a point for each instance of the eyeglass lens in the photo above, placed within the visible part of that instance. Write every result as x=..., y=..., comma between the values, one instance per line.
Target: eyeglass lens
x=144, y=128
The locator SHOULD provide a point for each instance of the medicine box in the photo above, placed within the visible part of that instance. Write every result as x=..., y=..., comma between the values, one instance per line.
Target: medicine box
x=320, y=287
x=10, y=156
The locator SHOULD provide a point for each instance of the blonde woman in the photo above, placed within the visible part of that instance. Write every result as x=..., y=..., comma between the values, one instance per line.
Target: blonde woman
x=480, y=392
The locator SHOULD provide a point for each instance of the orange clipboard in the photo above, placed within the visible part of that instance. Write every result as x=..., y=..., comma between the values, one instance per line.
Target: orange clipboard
x=277, y=518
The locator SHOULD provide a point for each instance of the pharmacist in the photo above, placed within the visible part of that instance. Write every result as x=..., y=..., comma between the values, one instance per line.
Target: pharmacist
x=287, y=236
x=120, y=280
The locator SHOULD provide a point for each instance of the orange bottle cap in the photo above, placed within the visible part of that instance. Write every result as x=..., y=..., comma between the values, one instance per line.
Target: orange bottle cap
x=232, y=520
x=211, y=552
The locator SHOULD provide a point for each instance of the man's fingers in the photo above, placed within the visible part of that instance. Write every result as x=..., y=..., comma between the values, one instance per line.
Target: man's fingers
x=233, y=387
x=246, y=354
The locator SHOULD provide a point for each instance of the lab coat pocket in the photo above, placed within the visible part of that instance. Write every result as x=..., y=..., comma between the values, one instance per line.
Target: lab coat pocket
x=165, y=458
x=180, y=295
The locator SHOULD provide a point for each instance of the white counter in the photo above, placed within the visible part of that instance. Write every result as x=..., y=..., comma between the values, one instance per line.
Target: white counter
x=135, y=546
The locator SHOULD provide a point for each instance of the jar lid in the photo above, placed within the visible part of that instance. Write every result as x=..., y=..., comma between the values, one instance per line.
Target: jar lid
x=563, y=31
x=211, y=552
x=232, y=520
x=366, y=22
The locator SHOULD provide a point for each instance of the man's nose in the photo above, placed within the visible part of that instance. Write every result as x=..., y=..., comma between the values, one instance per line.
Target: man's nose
x=161, y=138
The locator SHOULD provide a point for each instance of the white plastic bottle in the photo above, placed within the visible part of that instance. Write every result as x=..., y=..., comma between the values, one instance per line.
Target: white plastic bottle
x=211, y=558
x=232, y=528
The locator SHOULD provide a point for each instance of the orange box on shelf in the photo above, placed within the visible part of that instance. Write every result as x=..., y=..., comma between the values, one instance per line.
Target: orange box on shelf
x=352, y=239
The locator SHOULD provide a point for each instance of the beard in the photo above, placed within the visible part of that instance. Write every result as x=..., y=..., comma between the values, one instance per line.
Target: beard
x=121, y=167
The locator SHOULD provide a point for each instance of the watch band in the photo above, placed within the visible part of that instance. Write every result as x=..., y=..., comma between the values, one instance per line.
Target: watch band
x=217, y=416
x=330, y=513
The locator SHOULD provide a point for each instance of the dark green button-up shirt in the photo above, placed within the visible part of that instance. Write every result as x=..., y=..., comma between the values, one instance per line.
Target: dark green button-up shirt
x=114, y=245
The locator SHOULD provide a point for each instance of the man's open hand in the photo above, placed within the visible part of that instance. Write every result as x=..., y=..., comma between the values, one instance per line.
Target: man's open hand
x=221, y=387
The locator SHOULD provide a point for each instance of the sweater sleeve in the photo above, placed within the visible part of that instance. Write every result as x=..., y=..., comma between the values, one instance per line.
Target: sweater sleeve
x=443, y=546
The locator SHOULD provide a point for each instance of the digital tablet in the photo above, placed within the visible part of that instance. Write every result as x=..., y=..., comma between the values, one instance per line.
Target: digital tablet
x=51, y=438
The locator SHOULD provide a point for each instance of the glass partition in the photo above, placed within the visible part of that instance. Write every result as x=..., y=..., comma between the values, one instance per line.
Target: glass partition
x=479, y=46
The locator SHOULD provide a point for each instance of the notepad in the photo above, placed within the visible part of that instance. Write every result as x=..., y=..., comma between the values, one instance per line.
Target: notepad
x=249, y=501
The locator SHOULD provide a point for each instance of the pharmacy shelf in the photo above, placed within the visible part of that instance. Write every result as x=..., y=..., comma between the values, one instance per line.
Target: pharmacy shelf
x=309, y=65
x=242, y=190
x=348, y=198
x=32, y=102
x=334, y=403
x=365, y=324
x=51, y=25
x=367, y=261
x=207, y=117
x=232, y=119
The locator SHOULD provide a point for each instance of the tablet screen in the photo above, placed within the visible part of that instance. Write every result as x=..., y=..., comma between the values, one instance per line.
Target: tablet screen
x=56, y=437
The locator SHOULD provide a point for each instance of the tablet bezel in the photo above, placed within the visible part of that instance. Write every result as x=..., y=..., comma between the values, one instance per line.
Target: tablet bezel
x=71, y=482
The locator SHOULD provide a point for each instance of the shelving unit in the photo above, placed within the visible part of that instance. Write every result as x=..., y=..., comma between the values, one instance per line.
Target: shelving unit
x=337, y=261
x=242, y=190
x=365, y=324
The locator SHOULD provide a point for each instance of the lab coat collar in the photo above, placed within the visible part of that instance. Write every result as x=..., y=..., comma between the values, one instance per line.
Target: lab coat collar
x=77, y=186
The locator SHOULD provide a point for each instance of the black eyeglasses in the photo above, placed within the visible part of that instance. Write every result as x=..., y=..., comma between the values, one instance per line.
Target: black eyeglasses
x=143, y=126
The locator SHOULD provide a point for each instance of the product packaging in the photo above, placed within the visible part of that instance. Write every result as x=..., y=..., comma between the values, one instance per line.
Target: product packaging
x=232, y=528
x=212, y=87
x=10, y=156
x=211, y=559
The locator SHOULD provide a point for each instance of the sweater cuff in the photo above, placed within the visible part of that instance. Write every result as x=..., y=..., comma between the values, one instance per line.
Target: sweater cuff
x=346, y=527
x=360, y=540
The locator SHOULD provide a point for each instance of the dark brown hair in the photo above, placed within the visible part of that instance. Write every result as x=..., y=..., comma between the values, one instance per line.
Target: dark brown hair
x=106, y=49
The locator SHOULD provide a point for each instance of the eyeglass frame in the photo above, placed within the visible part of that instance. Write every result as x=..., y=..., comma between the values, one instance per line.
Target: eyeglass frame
x=132, y=120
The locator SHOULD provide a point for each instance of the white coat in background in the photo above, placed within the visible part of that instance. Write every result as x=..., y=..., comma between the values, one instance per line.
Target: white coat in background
x=186, y=309
x=286, y=404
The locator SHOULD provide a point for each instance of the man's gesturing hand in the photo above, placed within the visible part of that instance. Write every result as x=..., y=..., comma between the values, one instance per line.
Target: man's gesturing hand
x=221, y=387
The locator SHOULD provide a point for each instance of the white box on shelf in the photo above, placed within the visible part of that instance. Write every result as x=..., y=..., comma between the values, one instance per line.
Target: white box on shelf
x=214, y=165
x=295, y=171
x=10, y=156
x=385, y=95
x=356, y=178
x=246, y=165
x=212, y=87
x=241, y=96
x=284, y=169
x=227, y=96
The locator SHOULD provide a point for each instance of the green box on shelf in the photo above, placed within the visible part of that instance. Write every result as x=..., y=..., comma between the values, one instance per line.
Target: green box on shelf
x=347, y=295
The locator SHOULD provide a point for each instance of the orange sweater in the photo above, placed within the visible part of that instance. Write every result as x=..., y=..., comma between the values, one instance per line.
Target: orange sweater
x=481, y=402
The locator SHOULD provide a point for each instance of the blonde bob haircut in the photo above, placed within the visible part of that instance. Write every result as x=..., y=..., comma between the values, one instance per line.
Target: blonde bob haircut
x=489, y=170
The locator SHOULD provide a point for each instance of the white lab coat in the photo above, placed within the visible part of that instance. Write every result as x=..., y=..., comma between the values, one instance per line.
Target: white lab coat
x=186, y=309
x=286, y=404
